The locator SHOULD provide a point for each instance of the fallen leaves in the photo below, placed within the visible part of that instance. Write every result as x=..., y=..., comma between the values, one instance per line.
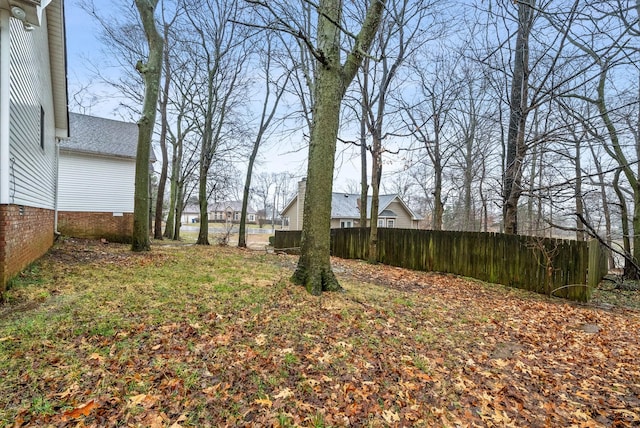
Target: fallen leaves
x=169, y=349
x=264, y=402
x=83, y=410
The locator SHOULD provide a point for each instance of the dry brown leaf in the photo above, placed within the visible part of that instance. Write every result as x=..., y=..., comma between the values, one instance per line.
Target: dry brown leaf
x=83, y=410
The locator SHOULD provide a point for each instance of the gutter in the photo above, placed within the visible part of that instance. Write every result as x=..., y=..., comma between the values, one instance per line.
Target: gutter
x=4, y=105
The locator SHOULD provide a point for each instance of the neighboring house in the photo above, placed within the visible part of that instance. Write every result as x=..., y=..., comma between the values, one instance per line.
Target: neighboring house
x=190, y=214
x=97, y=179
x=230, y=212
x=33, y=117
x=345, y=211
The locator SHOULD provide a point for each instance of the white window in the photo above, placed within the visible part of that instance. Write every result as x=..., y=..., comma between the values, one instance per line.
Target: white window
x=391, y=222
x=380, y=222
x=345, y=224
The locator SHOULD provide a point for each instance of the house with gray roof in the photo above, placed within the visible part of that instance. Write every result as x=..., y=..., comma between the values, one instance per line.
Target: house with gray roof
x=345, y=211
x=230, y=211
x=96, y=178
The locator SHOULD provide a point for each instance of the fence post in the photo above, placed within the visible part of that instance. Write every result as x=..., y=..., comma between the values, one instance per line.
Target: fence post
x=594, y=271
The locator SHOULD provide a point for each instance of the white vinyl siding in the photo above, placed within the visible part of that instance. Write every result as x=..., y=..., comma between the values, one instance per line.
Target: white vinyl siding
x=95, y=184
x=32, y=167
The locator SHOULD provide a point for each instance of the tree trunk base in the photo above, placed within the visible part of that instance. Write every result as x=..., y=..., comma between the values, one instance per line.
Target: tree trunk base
x=316, y=280
x=137, y=247
x=630, y=272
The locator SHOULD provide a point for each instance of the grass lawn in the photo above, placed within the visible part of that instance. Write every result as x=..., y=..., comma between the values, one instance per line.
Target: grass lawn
x=186, y=336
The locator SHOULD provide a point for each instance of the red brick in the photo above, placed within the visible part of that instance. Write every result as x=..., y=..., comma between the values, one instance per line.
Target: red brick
x=23, y=238
x=96, y=225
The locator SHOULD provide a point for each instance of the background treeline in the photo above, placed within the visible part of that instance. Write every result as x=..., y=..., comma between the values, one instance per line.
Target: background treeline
x=485, y=116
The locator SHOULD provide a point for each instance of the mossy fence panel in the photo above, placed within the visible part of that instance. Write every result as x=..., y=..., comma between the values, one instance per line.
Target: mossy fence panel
x=543, y=265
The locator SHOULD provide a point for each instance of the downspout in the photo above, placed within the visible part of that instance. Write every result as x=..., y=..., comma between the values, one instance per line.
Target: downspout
x=4, y=106
x=56, y=233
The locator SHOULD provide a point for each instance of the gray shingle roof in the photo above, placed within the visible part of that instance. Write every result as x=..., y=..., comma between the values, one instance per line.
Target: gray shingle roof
x=90, y=134
x=233, y=205
x=345, y=205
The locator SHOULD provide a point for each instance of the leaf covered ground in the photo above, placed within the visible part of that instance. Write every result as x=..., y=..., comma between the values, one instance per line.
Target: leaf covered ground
x=94, y=335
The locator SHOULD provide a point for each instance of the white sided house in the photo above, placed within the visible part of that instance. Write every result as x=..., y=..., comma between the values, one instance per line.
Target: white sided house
x=33, y=117
x=345, y=211
x=97, y=179
x=190, y=214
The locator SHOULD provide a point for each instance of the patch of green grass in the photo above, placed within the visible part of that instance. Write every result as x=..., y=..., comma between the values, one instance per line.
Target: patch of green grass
x=422, y=364
x=215, y=335
x=189, y=376
x=30, y=276
x=317, y=420
x=41, y=406
x=404, y=301
x=290, y=359
x=284, y=420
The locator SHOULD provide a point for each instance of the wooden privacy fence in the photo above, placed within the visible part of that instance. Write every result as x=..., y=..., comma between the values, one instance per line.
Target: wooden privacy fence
x=548, y=266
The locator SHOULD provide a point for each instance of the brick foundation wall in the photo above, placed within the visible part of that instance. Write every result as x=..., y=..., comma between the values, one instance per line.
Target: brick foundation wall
x=96, y=225
x=26, y=233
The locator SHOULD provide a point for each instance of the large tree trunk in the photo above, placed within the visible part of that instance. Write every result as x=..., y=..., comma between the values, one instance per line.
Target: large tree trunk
x=151, y=73
x=203, y=232
x=438, y=205
x=332, y=79
x=314, y=266
x=516, y=146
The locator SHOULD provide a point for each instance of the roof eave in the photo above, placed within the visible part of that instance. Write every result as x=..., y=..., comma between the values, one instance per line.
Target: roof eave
x=289, y=205
x=91, y=153
x=58, y=62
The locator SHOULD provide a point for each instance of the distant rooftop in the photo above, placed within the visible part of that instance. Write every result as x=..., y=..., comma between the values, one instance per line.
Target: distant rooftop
x=233, y=205
x=97, y=135
x=345, y=205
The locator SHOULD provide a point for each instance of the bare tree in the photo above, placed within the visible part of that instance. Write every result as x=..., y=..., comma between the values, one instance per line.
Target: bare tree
x=539, y=67
x=427, y=116
x=167, y=22
x=616, y=25
x=123, y=43
x=331, y=80
x=401, y=34
x=151, y=71
x=220, y=51
x=270, y=105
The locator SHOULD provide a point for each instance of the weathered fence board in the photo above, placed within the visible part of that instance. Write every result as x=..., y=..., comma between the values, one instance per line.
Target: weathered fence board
x=543, y=265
